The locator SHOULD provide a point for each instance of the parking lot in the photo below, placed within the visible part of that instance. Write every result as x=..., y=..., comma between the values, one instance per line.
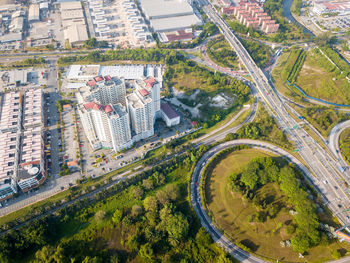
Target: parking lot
x=70, y=141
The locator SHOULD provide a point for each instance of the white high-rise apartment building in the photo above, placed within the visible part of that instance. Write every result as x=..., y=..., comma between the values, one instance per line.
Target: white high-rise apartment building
x=106, y=90
x=141, y=111
x=152, y=86
x=119, y=126
x=106, y=126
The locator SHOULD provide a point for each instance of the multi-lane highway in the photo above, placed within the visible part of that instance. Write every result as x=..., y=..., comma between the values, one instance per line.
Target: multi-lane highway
x=327, y=177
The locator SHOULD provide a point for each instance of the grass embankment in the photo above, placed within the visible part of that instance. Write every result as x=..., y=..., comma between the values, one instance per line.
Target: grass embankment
x=323, y=119
x=344, y=144
x=239, y=217
x=220, y=51
x=264, y=127
x=317, y=77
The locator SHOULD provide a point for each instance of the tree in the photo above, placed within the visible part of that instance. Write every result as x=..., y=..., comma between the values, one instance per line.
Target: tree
x=117, y=216
x=137, y=192
x=150, y=203
x=249, y=177
x=100, y=215
x=177, y=228
x=148, y=183
x=162, y=197
x=172, y=191
x=146, y=252
x=300, y=243
x=336, y=254
x=136, y=210
x=223, y=258
x=203, y=237
x=44, y=255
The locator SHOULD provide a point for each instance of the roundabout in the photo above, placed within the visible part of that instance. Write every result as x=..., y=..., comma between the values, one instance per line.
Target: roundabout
x=201, y=211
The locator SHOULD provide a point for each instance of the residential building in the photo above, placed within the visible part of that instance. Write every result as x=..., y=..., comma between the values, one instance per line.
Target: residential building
x=141, y=111
x=106, y=126
x=106, y=90
x=22, y=162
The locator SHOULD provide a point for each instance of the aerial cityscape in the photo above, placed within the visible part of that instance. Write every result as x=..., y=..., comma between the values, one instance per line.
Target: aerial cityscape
x=174, y=131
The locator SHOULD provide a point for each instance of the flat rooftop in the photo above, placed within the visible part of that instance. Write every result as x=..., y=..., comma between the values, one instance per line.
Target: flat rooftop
x=10, y=107
x=165, y=8
x=175, y=23
x=7, y=155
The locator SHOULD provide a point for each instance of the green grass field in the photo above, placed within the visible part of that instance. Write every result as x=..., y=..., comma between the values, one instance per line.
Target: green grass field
x=222, y=53
x=231, y=212
x=344, y=144
x=314, y=79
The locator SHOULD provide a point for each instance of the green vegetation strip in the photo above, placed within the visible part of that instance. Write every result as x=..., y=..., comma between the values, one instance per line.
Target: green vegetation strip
x=344, y=144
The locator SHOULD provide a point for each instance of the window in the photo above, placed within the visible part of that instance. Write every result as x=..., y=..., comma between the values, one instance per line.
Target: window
x=12, y=146
x=13, y=139
x=11, y=155
x=10, y=163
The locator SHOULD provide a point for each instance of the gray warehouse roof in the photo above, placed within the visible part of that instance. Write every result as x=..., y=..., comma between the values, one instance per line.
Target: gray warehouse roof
x=174, y=23
x=165, y=8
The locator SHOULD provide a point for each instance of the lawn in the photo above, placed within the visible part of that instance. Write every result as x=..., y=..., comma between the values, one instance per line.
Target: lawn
x=232, y=212
x=316, y=78
x=344, y=144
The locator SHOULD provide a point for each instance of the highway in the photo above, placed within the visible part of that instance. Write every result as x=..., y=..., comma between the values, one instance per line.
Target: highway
x=327, y=178
x=206, y=222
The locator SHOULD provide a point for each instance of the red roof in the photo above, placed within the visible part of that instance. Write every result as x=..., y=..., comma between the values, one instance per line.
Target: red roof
x=92, y=105
x=143, y=92
x=72, y=163
x=108, y=108
x=150, y=82
x=92, y=83
x=108, y=78
x=179, y=35
x=98, y=78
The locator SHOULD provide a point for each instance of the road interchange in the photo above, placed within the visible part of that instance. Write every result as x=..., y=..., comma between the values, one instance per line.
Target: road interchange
x=206, y=222
x=328, y=179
